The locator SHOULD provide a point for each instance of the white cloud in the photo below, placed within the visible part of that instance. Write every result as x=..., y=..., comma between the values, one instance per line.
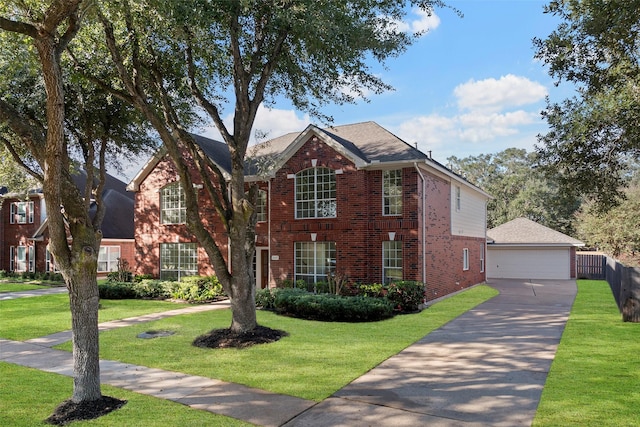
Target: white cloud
x=496, y=95
x=424, y=22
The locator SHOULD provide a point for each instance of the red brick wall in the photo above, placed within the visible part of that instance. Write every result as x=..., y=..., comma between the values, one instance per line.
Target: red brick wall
x=149, y=233
x=19, y=234
x=358, y=231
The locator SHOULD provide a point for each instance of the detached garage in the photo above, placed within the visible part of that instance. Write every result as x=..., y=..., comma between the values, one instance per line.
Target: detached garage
x=524, y=249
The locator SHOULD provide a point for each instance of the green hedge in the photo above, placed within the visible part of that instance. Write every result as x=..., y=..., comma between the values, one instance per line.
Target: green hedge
x=324, y=307
x=190, y=288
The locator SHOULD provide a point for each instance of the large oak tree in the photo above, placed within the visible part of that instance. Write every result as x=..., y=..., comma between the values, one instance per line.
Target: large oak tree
x=53, y=125
x=594, y=134
x=230, y=57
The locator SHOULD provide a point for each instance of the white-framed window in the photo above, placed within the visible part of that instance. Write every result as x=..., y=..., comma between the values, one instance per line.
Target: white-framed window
x=316, y=193
x=178, y=260
x=392, y=192
x=458, y=200
x=50, y=265
x=465, y=259
x=108, y=258
x=482, y=257
x=19, y=258
x=21, y=213
x=391, y=261
x=314, y=261
x=31, y=254
x=261, y=207
x=173, y=208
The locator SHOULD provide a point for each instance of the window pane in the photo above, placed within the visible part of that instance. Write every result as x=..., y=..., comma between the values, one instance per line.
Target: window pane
x=178, y=260
x=172, y=204
x=316, y=193
x=391, y=261
x=314, y=261
x=392, y=192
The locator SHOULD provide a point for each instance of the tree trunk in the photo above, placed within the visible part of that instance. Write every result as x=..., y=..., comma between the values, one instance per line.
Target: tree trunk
x=84, y=302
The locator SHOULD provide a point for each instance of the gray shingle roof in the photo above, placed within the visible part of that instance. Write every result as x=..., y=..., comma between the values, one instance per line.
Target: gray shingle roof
x=523, y=231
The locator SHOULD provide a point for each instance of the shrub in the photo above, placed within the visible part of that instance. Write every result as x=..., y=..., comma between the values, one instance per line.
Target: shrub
x=375, y=290
x=198, y=288
x=116, y=290
x=140, y=277
x=265, y=298
x=406, y=296
x=153, y=289
x=329, y=307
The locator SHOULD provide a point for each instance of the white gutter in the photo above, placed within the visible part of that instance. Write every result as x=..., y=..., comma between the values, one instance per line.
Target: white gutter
x=424, y=225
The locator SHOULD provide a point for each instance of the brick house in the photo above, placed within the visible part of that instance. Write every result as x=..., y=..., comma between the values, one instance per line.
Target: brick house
x=24, y=236
x=353, y=200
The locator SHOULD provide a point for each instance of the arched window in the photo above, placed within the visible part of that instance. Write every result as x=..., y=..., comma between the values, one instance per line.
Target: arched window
x=316, y=193
x=173, y=209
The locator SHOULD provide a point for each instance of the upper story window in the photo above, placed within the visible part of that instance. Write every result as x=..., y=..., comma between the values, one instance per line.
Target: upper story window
x=173, y=208
x=21, y=212
x=392, y=192
x=261, y=207
x=458, y=198
x=316, y=193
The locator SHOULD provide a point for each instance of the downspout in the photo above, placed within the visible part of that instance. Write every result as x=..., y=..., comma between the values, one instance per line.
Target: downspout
x=424, y=224
x=269, y=235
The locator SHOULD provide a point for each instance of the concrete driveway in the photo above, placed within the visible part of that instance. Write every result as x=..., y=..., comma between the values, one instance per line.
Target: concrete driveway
x=485, y=368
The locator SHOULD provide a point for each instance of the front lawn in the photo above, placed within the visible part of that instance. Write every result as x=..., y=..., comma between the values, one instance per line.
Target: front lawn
x=595, y=376
x=19, y=287
x=29, y=396
x=313, y=362
x=25, y=318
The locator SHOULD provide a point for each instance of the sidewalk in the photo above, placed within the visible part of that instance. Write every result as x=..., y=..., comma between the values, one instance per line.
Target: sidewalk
x=485, y=368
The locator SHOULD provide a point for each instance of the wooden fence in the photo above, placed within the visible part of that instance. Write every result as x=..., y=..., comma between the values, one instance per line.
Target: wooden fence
x=625, y=286
x=591, y=266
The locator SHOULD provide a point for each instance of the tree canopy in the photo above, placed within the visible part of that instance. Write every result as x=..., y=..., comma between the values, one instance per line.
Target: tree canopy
x=593, y=135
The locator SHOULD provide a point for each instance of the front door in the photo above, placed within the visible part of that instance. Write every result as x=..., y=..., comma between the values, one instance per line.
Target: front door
x=264, y=268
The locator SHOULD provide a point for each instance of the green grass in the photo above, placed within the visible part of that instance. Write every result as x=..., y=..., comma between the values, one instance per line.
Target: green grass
x=29, y=396
x=18, y=287
x=313, y=362
x=26, y=318
x=595, y=377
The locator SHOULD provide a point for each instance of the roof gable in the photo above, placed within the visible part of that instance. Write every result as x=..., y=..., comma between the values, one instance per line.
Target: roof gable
x=523, y=231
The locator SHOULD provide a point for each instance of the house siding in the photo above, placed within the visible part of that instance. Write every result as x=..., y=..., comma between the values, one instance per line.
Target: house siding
x=470, y=219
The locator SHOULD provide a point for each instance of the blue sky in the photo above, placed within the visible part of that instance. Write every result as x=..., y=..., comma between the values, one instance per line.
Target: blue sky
x=470, y=85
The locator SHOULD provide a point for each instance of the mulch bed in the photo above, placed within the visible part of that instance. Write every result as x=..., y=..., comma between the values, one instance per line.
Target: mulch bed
x=225, y=338
x=69, y=411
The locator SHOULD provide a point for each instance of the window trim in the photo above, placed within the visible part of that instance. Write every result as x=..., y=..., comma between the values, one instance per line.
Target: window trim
x=387, y=198
x=261, y=208
x=29, y=207
x=386, y=268
x=316, y=277
x=465, y=259
x=181, y=209
x=458, y=196
x=111, y=263
x=180, y=247
x=482, y=255
x=332, y=202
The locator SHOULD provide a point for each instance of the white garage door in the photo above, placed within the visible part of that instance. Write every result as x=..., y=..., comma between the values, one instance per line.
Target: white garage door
x=526, y=263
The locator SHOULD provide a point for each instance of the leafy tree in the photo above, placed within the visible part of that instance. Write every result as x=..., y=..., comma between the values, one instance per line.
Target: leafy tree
x=594, y=134
x=49, y=122
x=236, y=56
x=519, y=189
x=616, y=231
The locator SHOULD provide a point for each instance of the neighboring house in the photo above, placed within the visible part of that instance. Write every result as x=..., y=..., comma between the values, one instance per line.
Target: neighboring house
x=524, y=249
x=354, y=201
x=24, y=235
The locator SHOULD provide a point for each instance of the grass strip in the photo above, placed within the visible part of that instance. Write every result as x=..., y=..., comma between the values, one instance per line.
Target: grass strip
x=594, y=377
x=25, y=318
x=314, y=361
x=19, y=287
x=29, y=396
